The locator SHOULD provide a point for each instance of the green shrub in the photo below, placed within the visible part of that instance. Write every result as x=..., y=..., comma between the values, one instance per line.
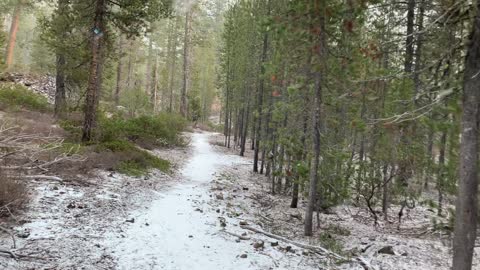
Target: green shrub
x=329, y=242
x=116, y=146
x=160, y=130
x=139, y=162
x=15, y=96
x=132, y=160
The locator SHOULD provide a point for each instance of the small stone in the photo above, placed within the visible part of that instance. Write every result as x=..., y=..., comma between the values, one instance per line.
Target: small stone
x=259, y=245
x=274, y=244
x=238, y=240
x=218, y=210
x=305, y=253
x=223, y=222
x=288, y=248
x=71, y=205
x=55, y=188
x=243, y=223
x=220, y=196
x=190, y=236
x=24, y=234
x=147, y=224
x=243, y=256
x=405, y=254
x=245, y=188
x=132, y=220
x=386, y=250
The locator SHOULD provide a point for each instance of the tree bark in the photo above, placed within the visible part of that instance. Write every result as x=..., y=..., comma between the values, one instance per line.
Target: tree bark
x=186, y=45
x=154, y=87
x=148, y=76
x=60, y=95
x=173, y=66
x=118, y=87
x=467, y=201
x=12, y=38
x=258, y=128
x=93, y=88
x=316, y=117
x=440, y=173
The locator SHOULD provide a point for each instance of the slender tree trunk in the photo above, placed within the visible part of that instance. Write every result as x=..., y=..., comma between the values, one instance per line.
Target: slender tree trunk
x=186, y=50
x=258, y=129
x=91, y=100
x=154, y=88
x=245, y=128
x=441, y=169
x=148, y=76
x=60, y=93
x=118, y=87
x=12, y=38
x=131, y=64
x=227, y=100
x=316, y=117
x=301, y=156
x=403, y=174
x=229, y=128
x=467, y=200
x=172, y=67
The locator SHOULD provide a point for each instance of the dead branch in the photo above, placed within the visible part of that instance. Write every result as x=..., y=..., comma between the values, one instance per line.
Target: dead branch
x=39, y=177
x=316, y=249
x=10, y=253
x=11, y=235
x=237, y=235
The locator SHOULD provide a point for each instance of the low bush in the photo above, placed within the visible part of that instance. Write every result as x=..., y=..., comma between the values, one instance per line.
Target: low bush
x=329, y=242
x=131, y=160
x=116, y=140
x=15, y=96
x=158, y=130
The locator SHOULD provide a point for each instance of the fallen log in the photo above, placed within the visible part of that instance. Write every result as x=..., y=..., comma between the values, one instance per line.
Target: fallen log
x=316, y=249
x=241, y=237
x=39, y=177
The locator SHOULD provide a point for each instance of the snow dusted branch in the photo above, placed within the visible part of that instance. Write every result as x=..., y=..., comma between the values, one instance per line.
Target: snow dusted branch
x=315, y=249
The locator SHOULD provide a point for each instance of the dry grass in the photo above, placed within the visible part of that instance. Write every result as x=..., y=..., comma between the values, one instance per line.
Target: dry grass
x=13, y=194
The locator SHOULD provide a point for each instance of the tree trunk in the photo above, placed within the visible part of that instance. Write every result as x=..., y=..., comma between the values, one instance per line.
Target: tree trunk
x=60, y=95
x=441, y=169
x=186, y=44
x=93, y=87
x=131, y=64
x=154, y=88
x=172, y=67
x=148, y=76
x=12, y=38
x=316, y=117
x=118, y=87
x=261, y=89
x=245, y=129
x=467, y=200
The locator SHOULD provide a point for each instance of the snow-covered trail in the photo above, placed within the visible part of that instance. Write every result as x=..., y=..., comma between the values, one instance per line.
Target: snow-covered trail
x=180, y=230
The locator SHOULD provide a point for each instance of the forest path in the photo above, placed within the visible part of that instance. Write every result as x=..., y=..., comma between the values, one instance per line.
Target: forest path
x=181, y=230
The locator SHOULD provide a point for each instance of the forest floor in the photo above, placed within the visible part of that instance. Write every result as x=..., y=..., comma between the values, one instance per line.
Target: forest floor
x=195, y=217
x=346, y=229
